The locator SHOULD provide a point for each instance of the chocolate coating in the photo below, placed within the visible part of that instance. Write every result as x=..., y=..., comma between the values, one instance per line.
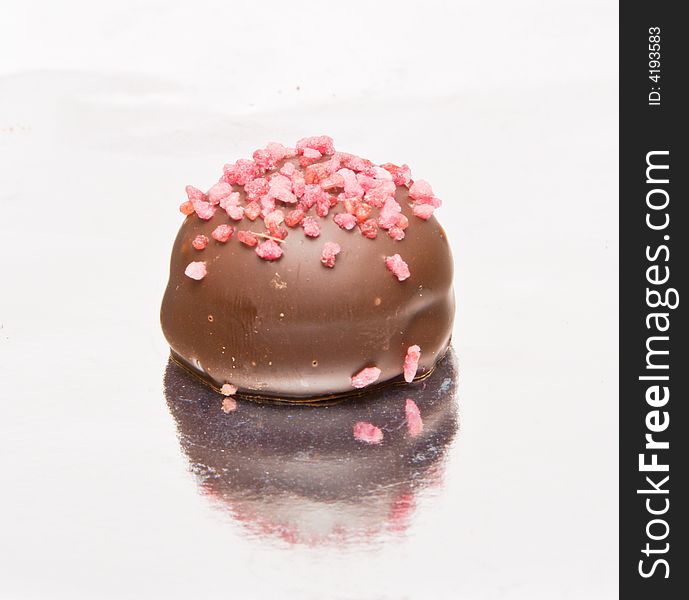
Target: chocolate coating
x=294, y=328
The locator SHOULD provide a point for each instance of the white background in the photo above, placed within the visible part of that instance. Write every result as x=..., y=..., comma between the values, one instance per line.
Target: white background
x=108, y=109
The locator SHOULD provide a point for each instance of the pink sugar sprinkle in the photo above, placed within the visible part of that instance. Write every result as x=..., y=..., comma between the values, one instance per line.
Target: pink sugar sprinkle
x=423, y=211
x=298, y=184
x=400, y=175
x=248, y=238
x=230, y=200
x=380, y=193
x=200, y=242
x=413, y=415
x=352, y=187
x=345, y=221
x=311, y=195
x=316, y=173
x=420, y=189
x=267, y=205
x=274, y=219
x=186, y=208
x=355, y=163
x=311, y=227
x=222, y=233
x=294, y=217
x=329, y=253
x=218, y=192
x=434, y=202
x=411, y=362
x=367, y=432
x=311, y=153
x=332, y=181
x=256, y=189
x=269, y=250
x=396, y=233
x=381, y=173
x=322, y=143
x=203, y=209
x=228, y=389
x=365, y=377
x=196, y=270
x=194, y=193
x=252, y=210
x=389, y=214
x=228, y=405
x=323, y=204
x=281, y=189
x=402, y=221
x=399, y=268
x=369, y=229
x=362, y=212
x=241, y=172
x=236, y=213
x=288, y=169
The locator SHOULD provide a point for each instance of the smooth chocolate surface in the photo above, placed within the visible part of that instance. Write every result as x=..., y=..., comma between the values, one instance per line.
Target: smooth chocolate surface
x=294, y=328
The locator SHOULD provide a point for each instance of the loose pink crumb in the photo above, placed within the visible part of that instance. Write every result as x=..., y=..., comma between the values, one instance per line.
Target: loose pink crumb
x=413, y=415
x=365, y=377
x=345, y=221
x=200, y=242
x=269, y=250
x=411, y=362
x=196, y=270
x=329, y=254
x=186, y=208
x=248, y=238
x=367, y=432
x=311, y=227
x=228, y=389
x=420, y=189
x=222, y=233
x=228, y=405
x=423, y=211
x=399, y=268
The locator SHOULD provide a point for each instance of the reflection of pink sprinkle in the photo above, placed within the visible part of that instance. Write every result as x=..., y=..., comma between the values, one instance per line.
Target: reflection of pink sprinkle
x=186, y=208
x=329, y=253
x=200, y=242
x=269, y=250
x=228, y=405
x=367, y=432
x=228, y=389
x=411, y=362
x=397, y=266
x=222, y=233
x=196, y=270
x=365, y=377
x=420, y=189
x=311, y=227
x=423, y=211
x=345, y=220
x=414, y=421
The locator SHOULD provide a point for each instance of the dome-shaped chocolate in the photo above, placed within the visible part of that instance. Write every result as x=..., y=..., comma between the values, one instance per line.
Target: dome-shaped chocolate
x=293, y=327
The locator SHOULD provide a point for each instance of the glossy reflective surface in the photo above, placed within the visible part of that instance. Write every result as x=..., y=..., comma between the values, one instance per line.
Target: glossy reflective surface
x=509, y=109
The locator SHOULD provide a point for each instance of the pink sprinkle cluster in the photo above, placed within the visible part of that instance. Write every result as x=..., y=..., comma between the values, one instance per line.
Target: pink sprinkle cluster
x=297, y=187
x=367, y=432
x=411, y=363
x=365, y=377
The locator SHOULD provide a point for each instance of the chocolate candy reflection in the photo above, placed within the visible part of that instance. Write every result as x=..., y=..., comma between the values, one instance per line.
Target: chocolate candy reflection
x=300, y=474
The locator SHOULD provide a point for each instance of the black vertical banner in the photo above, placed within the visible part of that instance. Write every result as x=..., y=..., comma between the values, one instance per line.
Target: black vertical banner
x=654, y=170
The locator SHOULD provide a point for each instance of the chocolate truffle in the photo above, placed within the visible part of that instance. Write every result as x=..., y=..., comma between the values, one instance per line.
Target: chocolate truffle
x=309, y=273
